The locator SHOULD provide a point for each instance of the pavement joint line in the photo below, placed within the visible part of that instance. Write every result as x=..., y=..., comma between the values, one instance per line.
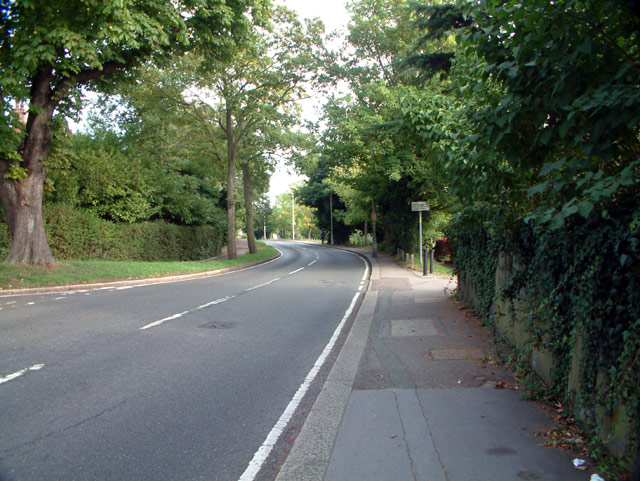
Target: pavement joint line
x=260, y=457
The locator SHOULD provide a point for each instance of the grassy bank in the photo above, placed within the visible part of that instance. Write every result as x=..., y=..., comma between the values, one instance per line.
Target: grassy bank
x=14, y=276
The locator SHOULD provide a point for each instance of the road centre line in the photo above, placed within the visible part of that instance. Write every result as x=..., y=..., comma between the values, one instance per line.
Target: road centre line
x=10, y=377
x=213, y=303
x=297, y=270
x=261, y=455
x=262, y=285
x=184, y=313
x=312, y=262
x=162, y=321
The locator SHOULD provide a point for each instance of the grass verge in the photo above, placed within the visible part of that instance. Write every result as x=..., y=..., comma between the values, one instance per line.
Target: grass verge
x=17, y=276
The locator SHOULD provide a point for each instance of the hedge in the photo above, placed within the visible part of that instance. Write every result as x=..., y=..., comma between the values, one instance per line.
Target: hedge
x=79, y=234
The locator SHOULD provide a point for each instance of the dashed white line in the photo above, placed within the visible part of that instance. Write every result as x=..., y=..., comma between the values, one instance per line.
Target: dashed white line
x=11, y=377
x=297, y=270
x=312, y=262
x=262, y=285
x=161, y=321
x=213, y=303
x=184, y=313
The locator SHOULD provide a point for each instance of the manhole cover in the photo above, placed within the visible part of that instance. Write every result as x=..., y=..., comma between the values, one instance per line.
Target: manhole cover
x=219, y=325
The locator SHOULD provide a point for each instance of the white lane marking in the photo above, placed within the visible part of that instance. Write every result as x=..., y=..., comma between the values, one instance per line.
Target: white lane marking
x=261, y=455
x=297, y=270
x=213, y=303
x=312, y=262
x=9, y=303
x=262, y=285
x=161, y=321
x=30, y=303
x=184, y=313
x=59, y=298
x=123, y=288
x=10, y=377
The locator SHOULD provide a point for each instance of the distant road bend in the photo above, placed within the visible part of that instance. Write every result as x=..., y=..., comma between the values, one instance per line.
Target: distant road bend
x=176, y=381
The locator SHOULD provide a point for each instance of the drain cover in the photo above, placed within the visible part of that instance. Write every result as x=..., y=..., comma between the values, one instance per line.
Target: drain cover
x=219, y=325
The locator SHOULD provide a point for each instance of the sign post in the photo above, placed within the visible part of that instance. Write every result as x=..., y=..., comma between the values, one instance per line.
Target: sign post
x=420, y=207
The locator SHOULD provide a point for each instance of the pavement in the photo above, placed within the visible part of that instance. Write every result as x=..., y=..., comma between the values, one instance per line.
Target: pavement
x=411, y=397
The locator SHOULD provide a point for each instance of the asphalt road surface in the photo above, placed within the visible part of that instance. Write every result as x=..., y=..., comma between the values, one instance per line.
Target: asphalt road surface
x=173, y=381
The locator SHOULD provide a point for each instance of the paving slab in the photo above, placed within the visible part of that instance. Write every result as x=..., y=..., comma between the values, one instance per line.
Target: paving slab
x=411, y=397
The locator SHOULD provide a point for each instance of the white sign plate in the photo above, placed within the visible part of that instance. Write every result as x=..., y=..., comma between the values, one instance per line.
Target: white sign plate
x=419, y=206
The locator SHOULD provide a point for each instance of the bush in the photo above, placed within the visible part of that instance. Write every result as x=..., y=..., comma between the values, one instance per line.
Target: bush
x=80, y=234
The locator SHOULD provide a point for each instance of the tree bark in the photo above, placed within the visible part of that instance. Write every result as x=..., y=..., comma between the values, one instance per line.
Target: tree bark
x=248, y=206
x=232, y=252
x=22, y=198
x=22, y=204
x=366, y=232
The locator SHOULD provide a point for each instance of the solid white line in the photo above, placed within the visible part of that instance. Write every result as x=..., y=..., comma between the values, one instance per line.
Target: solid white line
x=297, y=270
x=262, y=285
x=259, y=458
x=157, y=323
x=10, y=377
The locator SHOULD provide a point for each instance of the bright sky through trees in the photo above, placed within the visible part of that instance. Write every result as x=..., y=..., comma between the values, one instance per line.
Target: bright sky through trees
x=334, y=15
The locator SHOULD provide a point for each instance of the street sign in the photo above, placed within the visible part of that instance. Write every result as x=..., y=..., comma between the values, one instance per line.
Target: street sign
x=419, y=206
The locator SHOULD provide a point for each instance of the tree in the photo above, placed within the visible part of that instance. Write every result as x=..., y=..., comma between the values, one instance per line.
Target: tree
x=372, y=155
x=49, y=50
x=242, y=103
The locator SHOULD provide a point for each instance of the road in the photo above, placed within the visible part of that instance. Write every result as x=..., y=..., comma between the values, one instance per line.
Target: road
x=172, y=381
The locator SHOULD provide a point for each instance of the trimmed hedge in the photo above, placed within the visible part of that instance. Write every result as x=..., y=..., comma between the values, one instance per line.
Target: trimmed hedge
x=79, y=234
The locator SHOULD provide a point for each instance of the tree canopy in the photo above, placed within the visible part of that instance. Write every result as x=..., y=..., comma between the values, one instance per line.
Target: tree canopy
x=48, y=50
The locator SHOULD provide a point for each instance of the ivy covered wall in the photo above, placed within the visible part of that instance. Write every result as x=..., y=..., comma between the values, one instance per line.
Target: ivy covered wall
x=569, y=301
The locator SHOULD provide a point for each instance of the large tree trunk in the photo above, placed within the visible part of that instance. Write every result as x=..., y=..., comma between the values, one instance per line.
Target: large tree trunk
x=366, y=232
x=248, y=206
x=22, y=204
x=22, y=198
x=231, y=209
x=232, y=252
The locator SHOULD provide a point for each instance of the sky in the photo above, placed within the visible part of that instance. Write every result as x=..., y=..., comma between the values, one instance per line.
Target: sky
x=334, y=15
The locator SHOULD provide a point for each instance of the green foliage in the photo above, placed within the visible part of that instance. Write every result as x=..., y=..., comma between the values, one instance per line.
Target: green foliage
x=475, y=243
x=580, y=282
x=80, y=234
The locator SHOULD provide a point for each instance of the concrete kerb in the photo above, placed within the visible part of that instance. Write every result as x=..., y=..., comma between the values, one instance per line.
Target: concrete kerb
x=309, y=458
x=132, y=282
